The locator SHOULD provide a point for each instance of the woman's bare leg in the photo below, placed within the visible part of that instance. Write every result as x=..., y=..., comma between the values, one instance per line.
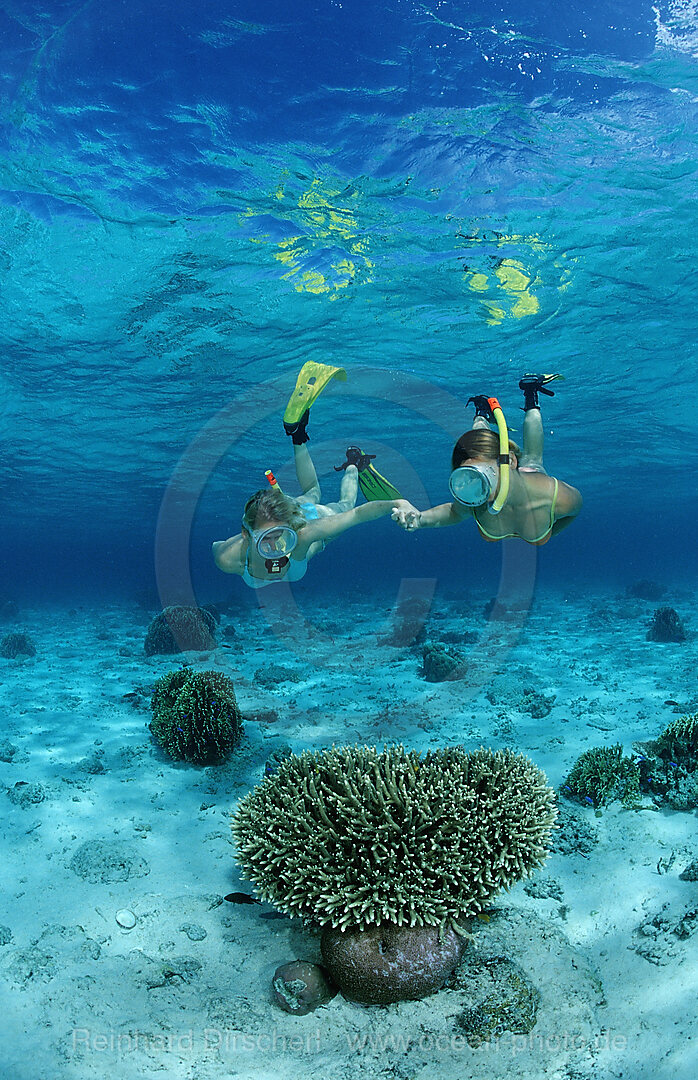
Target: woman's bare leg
x=348, y=491
x=532, y=438
x=305, y=473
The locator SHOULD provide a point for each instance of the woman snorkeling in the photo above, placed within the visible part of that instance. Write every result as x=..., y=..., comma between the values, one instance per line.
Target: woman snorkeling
x=280, y=534
x=505, y=489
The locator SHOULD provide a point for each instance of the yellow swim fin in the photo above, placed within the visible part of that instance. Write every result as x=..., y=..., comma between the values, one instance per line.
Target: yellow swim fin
x=312, y=380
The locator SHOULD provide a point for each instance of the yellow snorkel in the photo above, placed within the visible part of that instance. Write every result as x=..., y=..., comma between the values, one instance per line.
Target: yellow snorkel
x=503, y=460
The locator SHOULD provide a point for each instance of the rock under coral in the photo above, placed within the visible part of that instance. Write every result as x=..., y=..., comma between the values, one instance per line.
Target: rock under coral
x=377, y=965
x=300, y=987
x=274, y=760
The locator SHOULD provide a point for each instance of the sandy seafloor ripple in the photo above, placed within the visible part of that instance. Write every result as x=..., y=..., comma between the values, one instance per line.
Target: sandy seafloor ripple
x=186, y=993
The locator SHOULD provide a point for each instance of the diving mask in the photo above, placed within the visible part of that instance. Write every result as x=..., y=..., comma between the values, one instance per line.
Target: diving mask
x=276, y=542
x=473, y=485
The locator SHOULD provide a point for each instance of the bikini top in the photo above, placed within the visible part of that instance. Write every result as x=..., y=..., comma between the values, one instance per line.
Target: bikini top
x=296, y=567
x=542, y=539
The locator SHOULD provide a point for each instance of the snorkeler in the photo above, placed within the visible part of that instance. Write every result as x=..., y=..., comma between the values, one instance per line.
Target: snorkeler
x=280, y=534
x=505, y=489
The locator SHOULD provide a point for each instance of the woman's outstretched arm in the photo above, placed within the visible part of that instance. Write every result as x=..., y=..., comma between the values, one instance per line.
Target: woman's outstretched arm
x=569, y=503
x=330, y=527
x=227, y=554
x=436, y=517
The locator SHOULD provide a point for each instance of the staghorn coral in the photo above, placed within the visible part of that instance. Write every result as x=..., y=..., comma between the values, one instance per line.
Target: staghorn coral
x=669, y=764
x=195, y=715
x=354, y=837
x=679, y=741
x=180, y=629
x=603, y=774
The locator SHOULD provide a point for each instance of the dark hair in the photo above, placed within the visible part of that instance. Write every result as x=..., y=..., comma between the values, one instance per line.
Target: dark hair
x=479, y=442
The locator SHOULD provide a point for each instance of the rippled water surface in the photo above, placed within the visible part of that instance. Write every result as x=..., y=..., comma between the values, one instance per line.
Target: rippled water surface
x=195, y=199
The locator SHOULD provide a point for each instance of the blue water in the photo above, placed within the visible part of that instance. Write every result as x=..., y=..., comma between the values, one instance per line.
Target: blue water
x=438, y=195
x=195, y=199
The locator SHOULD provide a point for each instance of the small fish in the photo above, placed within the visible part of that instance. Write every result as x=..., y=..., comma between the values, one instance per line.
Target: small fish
x=273, y=915
x=674, y=764
x=241, y=898
x=670, y=701
x=588, y=800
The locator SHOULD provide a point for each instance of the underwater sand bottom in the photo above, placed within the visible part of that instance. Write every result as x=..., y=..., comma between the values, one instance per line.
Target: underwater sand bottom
x=102, y=830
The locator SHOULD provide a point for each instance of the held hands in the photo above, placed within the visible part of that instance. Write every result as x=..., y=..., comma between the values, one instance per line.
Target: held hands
x=406, y=515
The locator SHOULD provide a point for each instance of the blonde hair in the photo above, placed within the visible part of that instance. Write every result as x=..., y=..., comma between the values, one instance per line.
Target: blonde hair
x=479, y=442
x=270, y=504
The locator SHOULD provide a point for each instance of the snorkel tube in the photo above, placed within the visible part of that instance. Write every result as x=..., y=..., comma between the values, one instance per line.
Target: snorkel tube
x=503, y=459
x=273, y=482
